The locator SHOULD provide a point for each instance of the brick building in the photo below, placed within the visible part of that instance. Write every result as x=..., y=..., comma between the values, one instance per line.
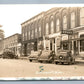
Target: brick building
x=13, y=43
x=46, y=29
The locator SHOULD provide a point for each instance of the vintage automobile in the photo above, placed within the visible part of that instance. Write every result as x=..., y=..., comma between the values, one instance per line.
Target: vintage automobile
x=9, y=55
x=33, y=57
x=0, y=55
x=64, y=56
x=47, y=56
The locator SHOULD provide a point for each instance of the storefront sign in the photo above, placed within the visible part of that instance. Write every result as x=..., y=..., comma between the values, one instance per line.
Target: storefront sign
x=65, y=37
x=69, y=32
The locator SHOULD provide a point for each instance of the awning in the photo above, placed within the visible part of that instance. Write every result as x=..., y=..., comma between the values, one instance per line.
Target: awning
x=78, y=39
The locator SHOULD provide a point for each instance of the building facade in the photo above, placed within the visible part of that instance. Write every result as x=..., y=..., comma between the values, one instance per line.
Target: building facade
x=32, y=34
x=13, y=43
x=46, y=30
x=1, y=46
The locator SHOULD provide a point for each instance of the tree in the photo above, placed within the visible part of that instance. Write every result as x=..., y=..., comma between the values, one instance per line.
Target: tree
x=1, y=33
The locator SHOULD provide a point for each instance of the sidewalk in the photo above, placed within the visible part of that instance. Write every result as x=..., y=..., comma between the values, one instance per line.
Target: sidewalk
x=79, y=59
x=23, y=58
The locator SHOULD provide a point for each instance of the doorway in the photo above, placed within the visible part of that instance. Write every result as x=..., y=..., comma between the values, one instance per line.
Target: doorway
x=75, y=47
x=52, y=44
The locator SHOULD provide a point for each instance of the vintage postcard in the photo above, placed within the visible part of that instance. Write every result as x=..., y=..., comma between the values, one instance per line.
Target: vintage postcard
x=42, y=42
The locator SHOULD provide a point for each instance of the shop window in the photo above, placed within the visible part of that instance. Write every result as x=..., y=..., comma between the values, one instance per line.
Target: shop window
x=35, y=46
x=57, y=25
x=65, y=23
x=82, y=16
x=65, y=46
x=81, y=45
x=72, y=19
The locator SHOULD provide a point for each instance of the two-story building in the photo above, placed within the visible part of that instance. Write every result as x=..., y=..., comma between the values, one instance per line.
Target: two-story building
x=13, y=43
x=59, y=27
x=32, y=34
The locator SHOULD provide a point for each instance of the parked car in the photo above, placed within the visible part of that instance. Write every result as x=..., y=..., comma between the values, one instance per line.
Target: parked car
x=9, y=55
x=64, y=56
x=0, y=55
x=47, y=56
x=34, y=56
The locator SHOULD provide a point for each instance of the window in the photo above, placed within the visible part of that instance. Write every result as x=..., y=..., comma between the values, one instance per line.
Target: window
x=39, y=31
x=82, y=16
x=29, y=35
x=64, y=23
x=72, y=20
x=65, y=45
x=36, y=32
x=23, y=36
x=82, y=43
x=57, y=25
x=26, y=35
x=32, y=34
x=52, y=27
x=47, y=29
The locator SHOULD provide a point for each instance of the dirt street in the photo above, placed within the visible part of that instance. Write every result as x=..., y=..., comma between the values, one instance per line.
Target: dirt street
x=24, y=68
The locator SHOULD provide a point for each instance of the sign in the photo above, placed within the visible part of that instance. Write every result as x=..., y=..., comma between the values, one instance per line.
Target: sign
x=69, y=32
x=65, y=37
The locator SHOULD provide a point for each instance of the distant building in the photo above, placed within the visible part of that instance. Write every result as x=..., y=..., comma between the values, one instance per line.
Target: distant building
x=46, y=29
x=13, y=43
x=1, y=40
x=1, y=46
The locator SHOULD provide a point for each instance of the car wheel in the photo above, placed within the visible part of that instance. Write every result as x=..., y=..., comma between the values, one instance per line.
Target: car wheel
x=56, y=62
x=40, y=61
x=30, y=60
x=73, y=61
x=62, y=62
x=69, y=63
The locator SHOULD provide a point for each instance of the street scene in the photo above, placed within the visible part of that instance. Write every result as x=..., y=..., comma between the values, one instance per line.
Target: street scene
x=45, y=42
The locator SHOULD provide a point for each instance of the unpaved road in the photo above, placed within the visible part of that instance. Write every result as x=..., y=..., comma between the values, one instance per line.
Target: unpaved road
x=24, y=68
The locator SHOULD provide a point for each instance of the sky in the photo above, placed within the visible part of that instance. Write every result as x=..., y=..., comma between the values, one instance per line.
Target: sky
x=12, y=15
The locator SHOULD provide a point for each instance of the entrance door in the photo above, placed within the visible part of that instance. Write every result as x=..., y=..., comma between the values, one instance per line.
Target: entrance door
x=25, y=49
x=75, y=48
x=52, y=44
x=35, y=46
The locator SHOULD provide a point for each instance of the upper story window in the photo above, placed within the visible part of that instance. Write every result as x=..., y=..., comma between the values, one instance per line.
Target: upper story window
x=58, y=25
x=35, y=32
x=82, y=16
x=23, y=34
x=64, y=22
x=72, y=19
x=39, y=31
x=52, y=27
x=32, y=34
x=29, y=35
x=26, y=35
x=47, y=29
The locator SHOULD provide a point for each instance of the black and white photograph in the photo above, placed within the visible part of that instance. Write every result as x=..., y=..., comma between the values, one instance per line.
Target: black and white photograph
x=41, y=41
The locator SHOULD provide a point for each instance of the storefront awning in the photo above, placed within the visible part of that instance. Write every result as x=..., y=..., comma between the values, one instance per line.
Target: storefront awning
x=78, y=39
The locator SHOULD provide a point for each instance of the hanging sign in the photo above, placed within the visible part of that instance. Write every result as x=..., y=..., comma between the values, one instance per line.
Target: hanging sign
x=69, y=32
